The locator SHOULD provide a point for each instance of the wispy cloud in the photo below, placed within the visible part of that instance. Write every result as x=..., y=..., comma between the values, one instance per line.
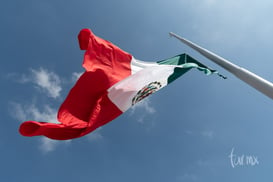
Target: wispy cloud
x=51, y=84
x=207, y=134
x=49, y=145
x=23, y=112
x=76, y=76
x=17, y=111
x=48, y=81
x=44, y=80
x=144, y=106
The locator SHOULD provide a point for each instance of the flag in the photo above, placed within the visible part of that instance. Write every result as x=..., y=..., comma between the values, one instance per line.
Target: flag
x=113, y=82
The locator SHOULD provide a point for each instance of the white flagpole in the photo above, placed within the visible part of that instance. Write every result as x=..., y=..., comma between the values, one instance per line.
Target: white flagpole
x=257, y=82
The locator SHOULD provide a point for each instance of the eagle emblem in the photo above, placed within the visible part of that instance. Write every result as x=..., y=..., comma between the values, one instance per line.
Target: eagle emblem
x=146, y=91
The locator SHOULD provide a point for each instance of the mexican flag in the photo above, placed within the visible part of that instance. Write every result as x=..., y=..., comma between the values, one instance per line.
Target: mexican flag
x=113, y=82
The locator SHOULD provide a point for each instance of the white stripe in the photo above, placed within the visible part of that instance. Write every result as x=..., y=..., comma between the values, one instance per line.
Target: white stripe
x=137, y=65
x=122, y=93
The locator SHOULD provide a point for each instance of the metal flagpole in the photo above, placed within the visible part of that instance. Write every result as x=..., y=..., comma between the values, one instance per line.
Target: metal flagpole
x=257, y=82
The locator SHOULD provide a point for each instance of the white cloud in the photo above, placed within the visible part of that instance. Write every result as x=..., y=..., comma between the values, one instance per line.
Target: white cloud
x=17, y=111
x=49, y=145
x=76, y=76
x=48, y=114
x=144, y=105
x=18, y=78
x=47, y=81
x=23, y=112
x=50, y=83
x=208, y=134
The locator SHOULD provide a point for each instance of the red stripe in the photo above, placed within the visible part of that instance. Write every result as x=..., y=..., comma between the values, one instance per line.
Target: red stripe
x=104, y=55
x=87, y=106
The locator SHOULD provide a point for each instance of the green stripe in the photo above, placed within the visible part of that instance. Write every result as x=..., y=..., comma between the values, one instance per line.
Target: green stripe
x=187, y=63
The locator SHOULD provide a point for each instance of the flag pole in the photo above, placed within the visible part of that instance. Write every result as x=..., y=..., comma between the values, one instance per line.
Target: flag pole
x=257, y=82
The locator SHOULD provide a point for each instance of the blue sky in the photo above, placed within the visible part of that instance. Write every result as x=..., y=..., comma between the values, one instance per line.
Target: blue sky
x=183, y=133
